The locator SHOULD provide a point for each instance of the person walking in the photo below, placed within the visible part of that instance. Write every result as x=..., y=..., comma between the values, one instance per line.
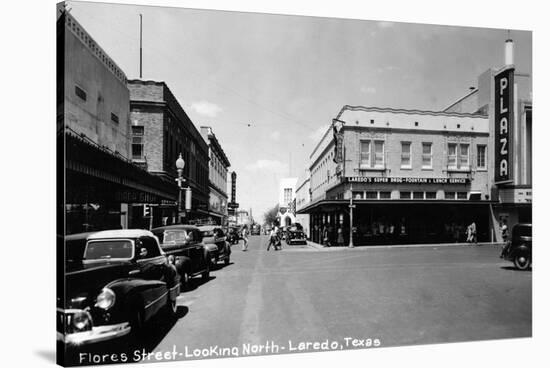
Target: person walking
x=272, y=240
x=473, y=231
x=244, y=235
x=469, y=234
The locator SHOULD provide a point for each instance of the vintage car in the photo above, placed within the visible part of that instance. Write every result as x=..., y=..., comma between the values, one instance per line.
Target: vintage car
x=122, y=280
x=214, y=240
x=255, y=229
x=518, y=249
x=184, y=248
x=233, y=235
x=295, y=235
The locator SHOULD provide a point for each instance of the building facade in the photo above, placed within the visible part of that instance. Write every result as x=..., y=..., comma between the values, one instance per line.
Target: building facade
x=161, y=131
x=217, y=176
x=95, y=176
x=505, y=95
x=303, y=198
x=287, y=201
x=411, y=176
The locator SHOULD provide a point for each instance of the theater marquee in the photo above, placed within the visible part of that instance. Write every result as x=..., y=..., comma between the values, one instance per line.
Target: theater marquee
x=504, y=117
x=405, y=180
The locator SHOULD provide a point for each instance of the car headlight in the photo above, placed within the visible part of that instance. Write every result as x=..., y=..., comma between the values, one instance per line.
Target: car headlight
x=105, y=299
x=171, y=259
x=81, y=321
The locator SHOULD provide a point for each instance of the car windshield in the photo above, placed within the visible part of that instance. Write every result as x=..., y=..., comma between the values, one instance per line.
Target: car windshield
x=207, y=233
x=108, y=249
x=174, y=236
x=522, y=231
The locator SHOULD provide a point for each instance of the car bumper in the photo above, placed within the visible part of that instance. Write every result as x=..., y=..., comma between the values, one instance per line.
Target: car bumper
x=96, y=334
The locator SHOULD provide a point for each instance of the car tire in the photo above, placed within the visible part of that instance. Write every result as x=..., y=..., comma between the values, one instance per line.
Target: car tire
x=206, y=274
x=137, y=323
x=522, y=261
x=171, y=308
x=226, y=260
x=184, y=281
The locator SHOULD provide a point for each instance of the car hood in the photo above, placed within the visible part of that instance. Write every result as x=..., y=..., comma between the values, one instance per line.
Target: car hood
x=82, y=285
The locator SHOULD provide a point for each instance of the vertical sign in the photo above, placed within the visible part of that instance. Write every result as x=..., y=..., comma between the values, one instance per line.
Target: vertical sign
x=504, y=118
x=233, y=186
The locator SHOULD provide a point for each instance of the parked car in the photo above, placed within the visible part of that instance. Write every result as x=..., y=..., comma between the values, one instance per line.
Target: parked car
x=123, y=280
x=255, y=230
x=518, y=249
x=184, y=248
x=215, y=241
x=295, y=235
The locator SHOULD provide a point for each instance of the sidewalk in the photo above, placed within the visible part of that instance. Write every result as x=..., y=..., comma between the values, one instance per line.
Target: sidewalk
x=319, y=247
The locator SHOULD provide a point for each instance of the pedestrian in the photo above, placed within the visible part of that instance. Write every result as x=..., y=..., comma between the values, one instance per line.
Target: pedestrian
x=244, y=235
x=340, y=239
x=272, y=240
x=469, y=234
x=504, y=232
x=473, y=230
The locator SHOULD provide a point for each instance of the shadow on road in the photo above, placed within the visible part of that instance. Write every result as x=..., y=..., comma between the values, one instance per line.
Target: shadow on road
x=129, y=348
x=512, y=268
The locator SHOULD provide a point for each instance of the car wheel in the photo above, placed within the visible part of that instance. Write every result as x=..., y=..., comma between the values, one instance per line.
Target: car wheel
x=136, y=323
x=184, y=281
x=226, y=260
x=171, y=307
x=522, y=261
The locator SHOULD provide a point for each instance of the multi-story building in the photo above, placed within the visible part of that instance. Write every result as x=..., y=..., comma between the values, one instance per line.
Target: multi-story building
x=287, y=203
x=505, y=94
x=95, y=176
x=412, y=176
x=303, y=197
x=219, y=164
x=161, y=131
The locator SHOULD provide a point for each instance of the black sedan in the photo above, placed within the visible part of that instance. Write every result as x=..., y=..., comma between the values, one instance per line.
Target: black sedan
x=518, y=249
x=122, y=280
x=295, y=235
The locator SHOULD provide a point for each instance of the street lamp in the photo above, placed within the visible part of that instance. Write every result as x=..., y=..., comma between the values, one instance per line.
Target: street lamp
x=351, y=207
x=180, y=164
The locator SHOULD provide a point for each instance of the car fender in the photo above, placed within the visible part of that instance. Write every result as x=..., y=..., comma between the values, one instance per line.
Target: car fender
x=183, y=264
x=522, y=249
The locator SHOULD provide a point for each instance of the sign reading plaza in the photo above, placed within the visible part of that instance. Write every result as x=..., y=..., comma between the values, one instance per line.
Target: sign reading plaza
x=406, y=180
x=504, y=115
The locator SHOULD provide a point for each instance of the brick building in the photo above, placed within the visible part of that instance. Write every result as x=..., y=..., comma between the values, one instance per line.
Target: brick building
x=218, y=168
x=413, y=176
x=97, y=183
x=160, y=131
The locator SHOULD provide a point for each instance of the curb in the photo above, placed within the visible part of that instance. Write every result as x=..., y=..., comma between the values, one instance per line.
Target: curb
x=319, y=247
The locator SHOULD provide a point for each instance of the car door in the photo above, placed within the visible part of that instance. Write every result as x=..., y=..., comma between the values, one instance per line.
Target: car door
x=152, y=268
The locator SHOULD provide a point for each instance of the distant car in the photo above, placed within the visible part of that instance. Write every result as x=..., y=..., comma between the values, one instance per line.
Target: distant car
x=122, y=280
x=255, y=230
x=518, y=249
x=184, y=248
x=214, y=239
x=295, y=235
x=233, y=235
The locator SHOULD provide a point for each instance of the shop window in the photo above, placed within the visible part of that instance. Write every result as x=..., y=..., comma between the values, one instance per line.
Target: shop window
x=405, y=195
x=357, y=195
x=372, y=195
x=418, y=195
x=461, y=195
x=430, y=195
x=406, y=155
x=482, y=157
x=450, y=195
x=137, y=142
x=385, y=195
x=426, y=155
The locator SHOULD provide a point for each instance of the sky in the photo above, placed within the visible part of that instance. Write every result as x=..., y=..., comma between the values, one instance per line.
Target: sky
x=270, y=85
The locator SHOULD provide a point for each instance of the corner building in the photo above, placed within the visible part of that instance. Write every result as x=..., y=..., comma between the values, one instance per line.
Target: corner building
x=413, y=177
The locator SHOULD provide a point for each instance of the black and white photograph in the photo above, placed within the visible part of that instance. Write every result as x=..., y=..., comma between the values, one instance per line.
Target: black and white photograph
x=244, y=184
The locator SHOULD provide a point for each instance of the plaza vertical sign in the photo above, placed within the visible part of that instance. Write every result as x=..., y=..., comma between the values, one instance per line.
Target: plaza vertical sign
x=504, y=119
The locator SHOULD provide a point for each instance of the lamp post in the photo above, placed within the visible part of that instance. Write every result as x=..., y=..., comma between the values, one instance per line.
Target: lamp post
x=180, y=164
x=351, y=207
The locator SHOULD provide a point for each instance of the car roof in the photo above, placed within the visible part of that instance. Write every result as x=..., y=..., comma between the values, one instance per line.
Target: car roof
x=119, y=234
x=176, y=227
x=208, y=227
x=79, y=236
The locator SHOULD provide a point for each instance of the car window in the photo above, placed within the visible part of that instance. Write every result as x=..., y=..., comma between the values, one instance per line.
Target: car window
x=174, y=236
x=108, y=249
x=151, y=245
x=522, y=231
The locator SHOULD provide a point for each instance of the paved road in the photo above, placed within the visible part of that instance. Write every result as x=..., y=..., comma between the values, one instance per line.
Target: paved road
x=400, y=296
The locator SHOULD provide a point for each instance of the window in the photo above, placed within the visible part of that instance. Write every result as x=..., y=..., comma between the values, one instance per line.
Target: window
x=137, y=142
x=482, y=156
x=357, y=195
x=461, y=195
x=378, y=153
x=451, y=155
x=287, y=195
x=80, y=93
x=405, y=154
x=426, y=155
x=365, y=154
x=430, y=195
x=405, y=195
x=372, y=195
x=385, y=195
x=464, y=156
x=114, y=118
x=418, y=195
x=449, y=195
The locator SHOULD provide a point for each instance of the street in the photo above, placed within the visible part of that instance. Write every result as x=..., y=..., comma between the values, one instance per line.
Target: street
x=391, y=296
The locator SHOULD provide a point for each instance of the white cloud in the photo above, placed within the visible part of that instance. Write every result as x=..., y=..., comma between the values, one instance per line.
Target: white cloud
x=206, y=108
x=275, y=135
x=368, y=90
x=316, y=135
x=268, y=165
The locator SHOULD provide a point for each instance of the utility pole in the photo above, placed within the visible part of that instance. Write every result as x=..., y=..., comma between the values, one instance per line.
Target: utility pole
x=351, y=207
x=140, y=46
